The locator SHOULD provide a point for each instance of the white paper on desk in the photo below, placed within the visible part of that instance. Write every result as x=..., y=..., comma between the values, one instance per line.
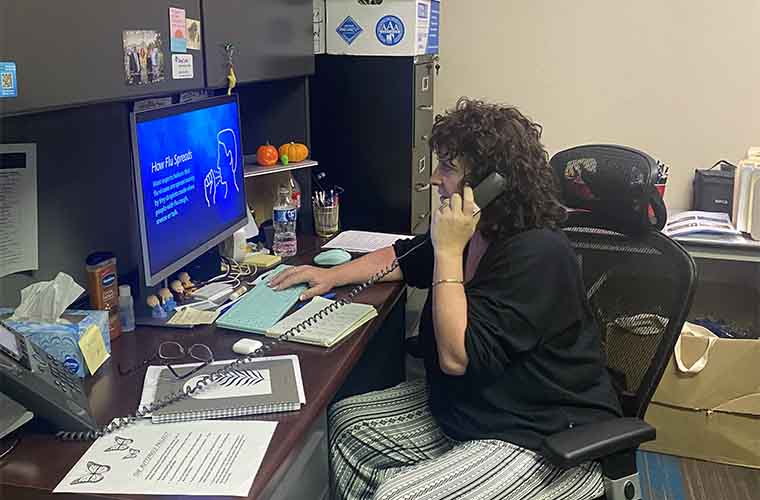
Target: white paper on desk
x=153, y=373
x=363, y=241
x=18, y=208
x=219, y=458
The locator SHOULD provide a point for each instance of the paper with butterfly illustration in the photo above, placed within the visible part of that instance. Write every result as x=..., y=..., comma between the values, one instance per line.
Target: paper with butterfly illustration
x=134, y=460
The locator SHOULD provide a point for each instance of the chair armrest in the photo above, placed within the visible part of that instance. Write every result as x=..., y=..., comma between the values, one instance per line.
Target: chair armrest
x=590, y=442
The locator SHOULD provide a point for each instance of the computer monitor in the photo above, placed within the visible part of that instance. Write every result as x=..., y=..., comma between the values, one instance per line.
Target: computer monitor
x=188, y=170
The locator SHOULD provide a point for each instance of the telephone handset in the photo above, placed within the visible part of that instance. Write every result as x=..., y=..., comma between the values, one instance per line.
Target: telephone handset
x=485, y=193
x=488, y=190
x=39, y=382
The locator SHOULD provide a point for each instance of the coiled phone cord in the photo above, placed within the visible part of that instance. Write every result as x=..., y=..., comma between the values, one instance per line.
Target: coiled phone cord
x=206, y=380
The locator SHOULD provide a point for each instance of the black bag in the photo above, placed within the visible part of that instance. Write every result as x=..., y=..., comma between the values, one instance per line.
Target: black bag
x=616, y=184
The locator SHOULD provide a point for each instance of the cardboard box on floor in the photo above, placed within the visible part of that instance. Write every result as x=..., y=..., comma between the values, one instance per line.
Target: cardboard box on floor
x=707, y=405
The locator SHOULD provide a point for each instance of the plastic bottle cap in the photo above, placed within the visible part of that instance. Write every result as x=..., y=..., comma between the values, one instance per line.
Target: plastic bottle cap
x=124, y=291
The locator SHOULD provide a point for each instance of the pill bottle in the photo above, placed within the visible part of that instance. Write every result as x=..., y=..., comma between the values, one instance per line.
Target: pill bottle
x=103, y=288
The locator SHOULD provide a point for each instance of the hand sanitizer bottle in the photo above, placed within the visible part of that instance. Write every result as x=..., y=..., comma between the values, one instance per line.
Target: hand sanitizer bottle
x=126, y=308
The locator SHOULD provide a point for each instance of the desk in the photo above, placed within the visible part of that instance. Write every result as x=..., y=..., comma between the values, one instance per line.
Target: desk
x=371, y=358
x=738, y=248
x=729, y=277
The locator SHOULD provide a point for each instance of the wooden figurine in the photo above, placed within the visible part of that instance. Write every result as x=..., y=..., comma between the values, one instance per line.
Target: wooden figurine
x=155, y=307
x=184, y=278
x=167, y=300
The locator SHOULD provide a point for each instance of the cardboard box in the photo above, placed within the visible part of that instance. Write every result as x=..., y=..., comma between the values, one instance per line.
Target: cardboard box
x=319, y=26
x=707, y=405
x=393, y=28
x=62, y=340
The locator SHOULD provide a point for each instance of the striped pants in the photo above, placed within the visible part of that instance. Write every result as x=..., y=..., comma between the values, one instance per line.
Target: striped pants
x=386, y=445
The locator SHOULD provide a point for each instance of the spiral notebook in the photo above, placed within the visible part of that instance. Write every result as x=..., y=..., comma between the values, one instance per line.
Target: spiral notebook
x=263, y=385
x=326, y=329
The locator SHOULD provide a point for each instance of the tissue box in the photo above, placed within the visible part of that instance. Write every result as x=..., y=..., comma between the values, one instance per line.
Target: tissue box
x=388, y=28
x=62, y=340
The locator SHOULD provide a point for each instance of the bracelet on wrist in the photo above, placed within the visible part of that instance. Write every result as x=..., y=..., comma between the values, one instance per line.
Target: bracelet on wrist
x=450, y=280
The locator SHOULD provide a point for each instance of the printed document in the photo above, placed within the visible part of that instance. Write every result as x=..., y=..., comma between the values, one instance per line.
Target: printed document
x=363, y=241
x=189, y=458
x=18, y=208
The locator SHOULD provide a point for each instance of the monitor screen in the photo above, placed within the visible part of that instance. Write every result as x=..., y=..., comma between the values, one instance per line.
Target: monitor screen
x=189, y=181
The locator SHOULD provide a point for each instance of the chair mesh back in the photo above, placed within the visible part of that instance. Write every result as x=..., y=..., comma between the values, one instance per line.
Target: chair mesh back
x=640, y=290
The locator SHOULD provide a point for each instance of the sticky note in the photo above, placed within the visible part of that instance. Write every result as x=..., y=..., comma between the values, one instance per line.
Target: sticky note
x=93, y=348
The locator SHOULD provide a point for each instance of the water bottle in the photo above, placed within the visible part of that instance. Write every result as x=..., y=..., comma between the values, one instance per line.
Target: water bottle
x=126, y=309
x=284, y=219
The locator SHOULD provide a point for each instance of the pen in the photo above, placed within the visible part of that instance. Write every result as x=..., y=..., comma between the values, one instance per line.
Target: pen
x=330, y=295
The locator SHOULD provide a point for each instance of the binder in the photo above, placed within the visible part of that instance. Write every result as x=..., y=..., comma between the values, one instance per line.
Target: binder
x=263, y=385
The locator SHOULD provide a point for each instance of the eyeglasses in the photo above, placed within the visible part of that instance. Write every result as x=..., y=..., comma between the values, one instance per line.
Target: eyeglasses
x=174, y=351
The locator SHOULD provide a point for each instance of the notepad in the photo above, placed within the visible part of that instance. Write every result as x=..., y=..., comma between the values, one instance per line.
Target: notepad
x=262, y=385
x=329, y=329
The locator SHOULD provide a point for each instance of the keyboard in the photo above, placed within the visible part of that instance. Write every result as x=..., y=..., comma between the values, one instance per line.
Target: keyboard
x=261, y=307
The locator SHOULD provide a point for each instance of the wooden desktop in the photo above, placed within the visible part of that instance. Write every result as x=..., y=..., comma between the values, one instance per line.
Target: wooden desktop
x=369, y=359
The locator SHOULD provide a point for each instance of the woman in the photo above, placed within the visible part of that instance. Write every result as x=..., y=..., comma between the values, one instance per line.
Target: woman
x=512, y=353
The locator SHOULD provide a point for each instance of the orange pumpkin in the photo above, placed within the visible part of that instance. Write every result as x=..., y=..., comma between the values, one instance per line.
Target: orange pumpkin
x=266, y=155
x=294, y=151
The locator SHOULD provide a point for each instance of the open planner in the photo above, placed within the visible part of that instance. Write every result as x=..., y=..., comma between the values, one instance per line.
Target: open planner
x=328, y=330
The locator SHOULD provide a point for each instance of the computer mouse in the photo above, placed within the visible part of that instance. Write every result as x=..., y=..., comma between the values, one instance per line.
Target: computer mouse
x=246, y=346
x=333, y=257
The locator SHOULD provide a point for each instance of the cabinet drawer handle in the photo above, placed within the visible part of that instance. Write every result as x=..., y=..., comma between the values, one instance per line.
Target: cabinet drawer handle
x=420, y=187
x=425, y=138
x=425, y=107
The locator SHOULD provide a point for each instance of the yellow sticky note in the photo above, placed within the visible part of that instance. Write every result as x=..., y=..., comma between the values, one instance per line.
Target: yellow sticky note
x=93, y=348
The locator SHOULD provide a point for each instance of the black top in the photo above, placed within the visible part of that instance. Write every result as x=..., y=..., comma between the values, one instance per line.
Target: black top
x=535, y=360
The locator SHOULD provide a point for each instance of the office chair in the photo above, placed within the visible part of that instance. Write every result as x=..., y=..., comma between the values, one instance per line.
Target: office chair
x=640, y=287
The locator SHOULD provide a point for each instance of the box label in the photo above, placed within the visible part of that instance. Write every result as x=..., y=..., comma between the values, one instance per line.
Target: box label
x=390, y=30
x=434, y=28
x=349, y=30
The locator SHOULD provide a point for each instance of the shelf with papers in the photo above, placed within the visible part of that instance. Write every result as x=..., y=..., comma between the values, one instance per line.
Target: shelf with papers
x=253, y=170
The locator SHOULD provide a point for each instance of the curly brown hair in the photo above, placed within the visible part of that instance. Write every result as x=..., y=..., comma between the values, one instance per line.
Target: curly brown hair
x=497, y=137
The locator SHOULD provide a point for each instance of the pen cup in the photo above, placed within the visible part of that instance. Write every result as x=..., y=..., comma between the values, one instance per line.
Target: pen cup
x=326, y=220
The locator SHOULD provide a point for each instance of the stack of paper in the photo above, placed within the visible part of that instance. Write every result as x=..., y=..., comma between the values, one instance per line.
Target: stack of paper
x=328, y=330
x=363, y=241
x=696, y=222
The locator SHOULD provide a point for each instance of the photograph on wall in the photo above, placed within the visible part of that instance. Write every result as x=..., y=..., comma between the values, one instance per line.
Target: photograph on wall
x=143, y=57
x=193, y=34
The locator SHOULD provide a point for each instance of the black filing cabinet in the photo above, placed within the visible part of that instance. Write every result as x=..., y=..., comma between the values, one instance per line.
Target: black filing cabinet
x=371, y=118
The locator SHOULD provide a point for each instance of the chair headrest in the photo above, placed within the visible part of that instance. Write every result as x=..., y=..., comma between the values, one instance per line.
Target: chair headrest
x=612, y=186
